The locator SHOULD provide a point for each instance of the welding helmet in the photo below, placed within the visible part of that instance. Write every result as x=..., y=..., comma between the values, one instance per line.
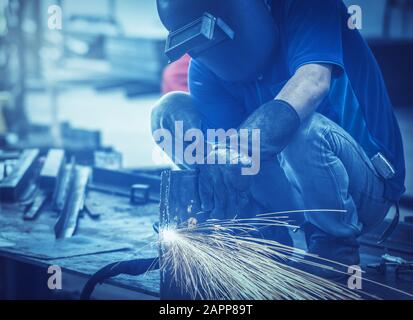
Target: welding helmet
x=235, y=39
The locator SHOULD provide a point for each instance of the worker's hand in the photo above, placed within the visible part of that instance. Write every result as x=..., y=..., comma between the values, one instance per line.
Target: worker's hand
x=224, y=191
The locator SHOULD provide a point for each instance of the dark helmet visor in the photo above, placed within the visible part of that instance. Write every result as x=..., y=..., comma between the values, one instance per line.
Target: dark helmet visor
x=197, y=36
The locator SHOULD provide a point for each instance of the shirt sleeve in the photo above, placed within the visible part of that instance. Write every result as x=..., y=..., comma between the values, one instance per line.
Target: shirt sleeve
x=214, y=98
x=314, y=33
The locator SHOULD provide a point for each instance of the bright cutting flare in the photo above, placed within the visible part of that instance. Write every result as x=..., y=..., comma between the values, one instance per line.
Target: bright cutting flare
x=223, y=261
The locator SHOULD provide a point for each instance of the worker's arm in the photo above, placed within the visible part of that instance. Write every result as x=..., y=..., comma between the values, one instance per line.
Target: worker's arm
x=307, y=88
x=279, y=119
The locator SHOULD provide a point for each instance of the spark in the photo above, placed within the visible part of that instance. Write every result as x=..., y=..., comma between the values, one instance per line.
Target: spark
x=169, y=236
x=220, y=260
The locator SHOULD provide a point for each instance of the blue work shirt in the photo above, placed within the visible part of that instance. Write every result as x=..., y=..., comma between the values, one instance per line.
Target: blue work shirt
x=313, y=31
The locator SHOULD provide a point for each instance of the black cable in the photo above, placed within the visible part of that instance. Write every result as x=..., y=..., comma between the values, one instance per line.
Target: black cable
x=393, y=225
x=131, y=267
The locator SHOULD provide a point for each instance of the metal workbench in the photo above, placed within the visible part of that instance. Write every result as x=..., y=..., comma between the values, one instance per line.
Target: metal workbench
x=122, y=232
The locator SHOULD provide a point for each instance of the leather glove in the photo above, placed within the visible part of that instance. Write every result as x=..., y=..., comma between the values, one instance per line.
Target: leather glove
x=223, y=189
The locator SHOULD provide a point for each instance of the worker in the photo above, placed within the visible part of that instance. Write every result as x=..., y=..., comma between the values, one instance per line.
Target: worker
x=297, y=72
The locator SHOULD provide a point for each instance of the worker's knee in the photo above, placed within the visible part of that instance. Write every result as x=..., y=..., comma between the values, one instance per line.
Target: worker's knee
x=312, y=130
x=164, y=111
x=310, y=139
x=172, y=107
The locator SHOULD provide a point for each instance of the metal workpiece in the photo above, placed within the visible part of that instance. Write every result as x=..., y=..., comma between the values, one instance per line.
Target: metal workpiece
x=34, y=209
x=179, y=202
x=111, y=160
x=14, y=184
x=120, y=182
x=67, y=223
x=9, y=155
x=388, y=263
x=62, y=186
x=139, y=194
x=180, y=199
x=53, y=164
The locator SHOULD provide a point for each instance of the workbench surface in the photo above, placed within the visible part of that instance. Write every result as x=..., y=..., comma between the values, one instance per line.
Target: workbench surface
x=122, y=232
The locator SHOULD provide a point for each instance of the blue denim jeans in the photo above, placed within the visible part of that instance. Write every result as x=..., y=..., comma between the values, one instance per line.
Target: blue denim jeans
x=330, y=170
x=322, y=168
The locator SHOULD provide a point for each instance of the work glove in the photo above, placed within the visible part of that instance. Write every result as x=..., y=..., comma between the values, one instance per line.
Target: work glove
x=224, y=191
x=227, y=194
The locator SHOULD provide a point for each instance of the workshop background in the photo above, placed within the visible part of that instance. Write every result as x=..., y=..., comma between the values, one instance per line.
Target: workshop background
x=89, y=89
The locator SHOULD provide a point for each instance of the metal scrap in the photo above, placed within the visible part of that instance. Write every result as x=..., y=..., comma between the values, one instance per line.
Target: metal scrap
x=13, y=185
x=67, y=223
x=52, y=167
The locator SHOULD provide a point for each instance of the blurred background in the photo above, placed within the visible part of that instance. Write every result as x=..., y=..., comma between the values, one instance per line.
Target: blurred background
x=89, y=87
x=102, y=71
